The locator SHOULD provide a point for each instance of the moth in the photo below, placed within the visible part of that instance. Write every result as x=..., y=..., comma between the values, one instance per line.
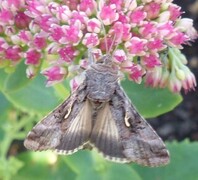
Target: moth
x=99, y=114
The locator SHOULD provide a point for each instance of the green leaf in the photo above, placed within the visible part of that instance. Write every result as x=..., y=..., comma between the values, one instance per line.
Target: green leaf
x=9, y=167
x=4, y=105
x=34, y=97
x=183, y=164
x=120, y=171
x=82, y=165
x=85, y=165
x=43, y=165
x=151, y=102
x=91, y=165
x=29, y=95
x=3, y=77
x=17, y=79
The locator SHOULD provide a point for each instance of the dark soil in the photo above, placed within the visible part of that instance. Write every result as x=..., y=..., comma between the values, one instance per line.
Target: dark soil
x=182, y=122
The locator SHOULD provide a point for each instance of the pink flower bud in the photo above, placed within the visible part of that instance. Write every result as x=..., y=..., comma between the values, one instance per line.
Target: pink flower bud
x=189, y=81
x=117, y=31
x=175, y=84
x=45, y=21
x=136, y=46
x=10, y=30
x=152, y=9
x=3, y=45
x=72, y=34
x=35, y=8
x=39, y=41
x=117, y=3
x=175, y=11
x=96, y=53
x=108, y=14
x=153, y=77
x=126, y=32
x=136, y=73
x=13, y=53
x=53, y=48
x=78, y=17
x=123, y=18
x=164, y=79
x=67, y=53
x=87, y=6
x=151, y=61
x=107, y=44
x=137, y=16
x=90, y=40
x=72, y=4
x=54, y=74
x=22, y=20
x=94, y=25
x=76, y=81
x=148, y=29
x=31, y=71
x=14, y=5
x=186, y=25
x=156, y=45
x=32, y=57
x=61, y=12
x=119, y=56
x=56, y=32
x=6, y=17
x=164, y=17
x=178, y=39
x=165, y=30
x=130, y=5
x=25, y=36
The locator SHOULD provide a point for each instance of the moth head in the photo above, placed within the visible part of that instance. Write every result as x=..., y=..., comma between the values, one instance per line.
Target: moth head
x=106, y=59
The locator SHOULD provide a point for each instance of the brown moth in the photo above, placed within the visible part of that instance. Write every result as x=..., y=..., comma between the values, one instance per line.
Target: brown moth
x=99, y=114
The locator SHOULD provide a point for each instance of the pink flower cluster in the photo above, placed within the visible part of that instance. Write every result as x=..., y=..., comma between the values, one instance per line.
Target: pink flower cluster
x=143, y=37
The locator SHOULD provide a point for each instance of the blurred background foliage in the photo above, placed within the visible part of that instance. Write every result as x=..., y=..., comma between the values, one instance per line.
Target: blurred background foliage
x=24, y=102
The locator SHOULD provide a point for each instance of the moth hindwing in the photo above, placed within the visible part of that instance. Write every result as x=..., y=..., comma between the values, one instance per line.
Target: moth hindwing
x=99, y=114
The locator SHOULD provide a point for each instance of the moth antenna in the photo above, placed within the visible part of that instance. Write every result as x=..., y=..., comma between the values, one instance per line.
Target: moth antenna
x=114, y=37
x=108, y=49
x=100, y=4
x=105, y=39
x=115, y=48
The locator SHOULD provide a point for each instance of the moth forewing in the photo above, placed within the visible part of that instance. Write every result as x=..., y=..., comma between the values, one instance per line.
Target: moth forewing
x=100, y=114
x=77, y=132
x=65, y=129
x=140, y=142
